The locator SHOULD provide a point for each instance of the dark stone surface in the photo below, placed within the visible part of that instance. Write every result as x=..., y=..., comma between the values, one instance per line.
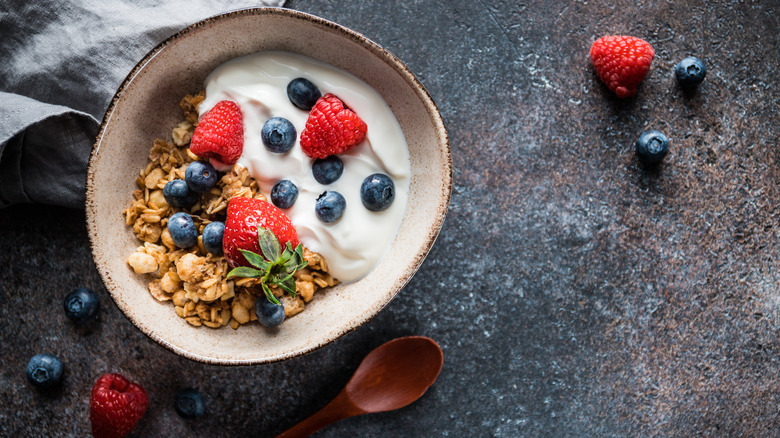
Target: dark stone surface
x=574, y=292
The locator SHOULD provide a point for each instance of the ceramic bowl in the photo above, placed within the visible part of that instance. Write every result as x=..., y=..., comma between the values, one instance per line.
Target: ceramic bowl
x=146, y=107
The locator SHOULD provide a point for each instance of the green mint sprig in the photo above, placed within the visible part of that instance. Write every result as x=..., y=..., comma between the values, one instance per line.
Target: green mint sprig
x=274, y=266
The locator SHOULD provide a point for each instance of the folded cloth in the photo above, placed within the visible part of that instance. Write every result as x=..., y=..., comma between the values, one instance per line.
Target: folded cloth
x=61, y=62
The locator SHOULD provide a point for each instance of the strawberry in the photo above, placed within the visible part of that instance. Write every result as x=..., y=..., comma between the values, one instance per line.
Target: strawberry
x=621, y=62
x=331, y=129
x=116, y=406
x=220, y=133
x=245, y=218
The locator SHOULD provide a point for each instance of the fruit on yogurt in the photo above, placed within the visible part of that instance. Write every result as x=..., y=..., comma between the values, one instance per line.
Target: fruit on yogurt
x=332, y=128
x=621, y=62
x=330, y=206
x=302, y=93
x=327, y=170
x=284, y=193
x=278, y=135
x=377, y=192
x=220, y=133
x=115, y=406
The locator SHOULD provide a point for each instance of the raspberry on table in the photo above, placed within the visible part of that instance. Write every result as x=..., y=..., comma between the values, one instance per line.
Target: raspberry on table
x=621, y=62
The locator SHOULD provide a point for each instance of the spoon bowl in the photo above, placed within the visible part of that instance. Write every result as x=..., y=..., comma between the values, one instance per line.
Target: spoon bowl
x=392, y=376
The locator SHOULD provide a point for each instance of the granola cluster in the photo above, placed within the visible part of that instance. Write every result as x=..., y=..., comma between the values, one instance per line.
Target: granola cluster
x=193, y=279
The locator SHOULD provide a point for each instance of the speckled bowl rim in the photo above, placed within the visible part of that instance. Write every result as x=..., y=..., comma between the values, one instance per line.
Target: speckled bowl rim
x=390, y=59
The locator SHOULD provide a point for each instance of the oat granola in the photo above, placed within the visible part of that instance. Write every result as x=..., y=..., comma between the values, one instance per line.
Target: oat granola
x=193, y=279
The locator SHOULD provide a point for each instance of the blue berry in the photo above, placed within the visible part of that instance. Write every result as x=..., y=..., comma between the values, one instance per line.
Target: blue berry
x=44, y=371
x=268, y=313
x=189, y=403
x=377, y=192
x=690, y=71
x=284, y=194
x=327, y=170
x=652, y=146
x=182, y=229
x=212, y=237
x=81, y=305
x=178, y=194
x=278, y=135
x=330, y=206
x=200, y=176
x=303, y=93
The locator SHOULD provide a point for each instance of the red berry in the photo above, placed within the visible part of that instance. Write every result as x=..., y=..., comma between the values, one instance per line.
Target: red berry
x=331, y=128
x=116, y=406
x=621, y=62
x=220, y=133
x=244, y=215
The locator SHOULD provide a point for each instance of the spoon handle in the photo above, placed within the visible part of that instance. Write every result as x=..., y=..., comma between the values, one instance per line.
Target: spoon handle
x=338, y=409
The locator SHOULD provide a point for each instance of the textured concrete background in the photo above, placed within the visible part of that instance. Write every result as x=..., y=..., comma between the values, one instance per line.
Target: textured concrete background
x=574, y=292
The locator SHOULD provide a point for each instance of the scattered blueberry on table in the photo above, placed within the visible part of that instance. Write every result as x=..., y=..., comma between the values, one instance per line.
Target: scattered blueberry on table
x=690, y=72
x=652, y=146
x=178, y=194
x=44, y=371
x=268, y=313
x=327, y=170
x=81, y=306
x=278, y=135
x=200, y=176
x=330, y=206
x=212, y=237
x=302, y=93
x=377, y=192
x=189, y=403
x=182, y=229
x=284, y=194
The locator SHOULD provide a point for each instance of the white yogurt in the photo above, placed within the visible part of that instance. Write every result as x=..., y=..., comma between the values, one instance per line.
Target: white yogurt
x=258, y=84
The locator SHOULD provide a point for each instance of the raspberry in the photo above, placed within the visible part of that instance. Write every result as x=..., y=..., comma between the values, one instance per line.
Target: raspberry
x=621, y=62
x=220, y=133
x=331, y=129
x=115, y=406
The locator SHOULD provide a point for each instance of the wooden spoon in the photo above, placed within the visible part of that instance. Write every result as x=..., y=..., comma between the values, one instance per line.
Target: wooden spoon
x=392, y=376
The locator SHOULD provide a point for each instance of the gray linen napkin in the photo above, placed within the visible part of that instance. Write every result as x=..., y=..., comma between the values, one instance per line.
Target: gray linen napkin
x=61, y=62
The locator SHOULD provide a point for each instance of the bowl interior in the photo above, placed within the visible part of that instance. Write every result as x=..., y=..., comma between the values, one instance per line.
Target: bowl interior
x=146, y=108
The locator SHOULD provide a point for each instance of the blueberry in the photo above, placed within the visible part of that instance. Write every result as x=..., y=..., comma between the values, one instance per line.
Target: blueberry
x=177, y=194
x=690, y=71
x=81, y=305
x=189, y=403
x=652, y=146
x=377, y=192
x=278, y=135
x=200, y=176
x=303, y=93
x=327, y=170
x=44, y=371
x=268, y=313
x=182, y=229
x=330, y=206
x=212, y=237
x=284, y=193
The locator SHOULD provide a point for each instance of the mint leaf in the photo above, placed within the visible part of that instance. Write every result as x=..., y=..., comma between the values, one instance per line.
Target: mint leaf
x=269, y=245
x=243, y=271
x=255, y=260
